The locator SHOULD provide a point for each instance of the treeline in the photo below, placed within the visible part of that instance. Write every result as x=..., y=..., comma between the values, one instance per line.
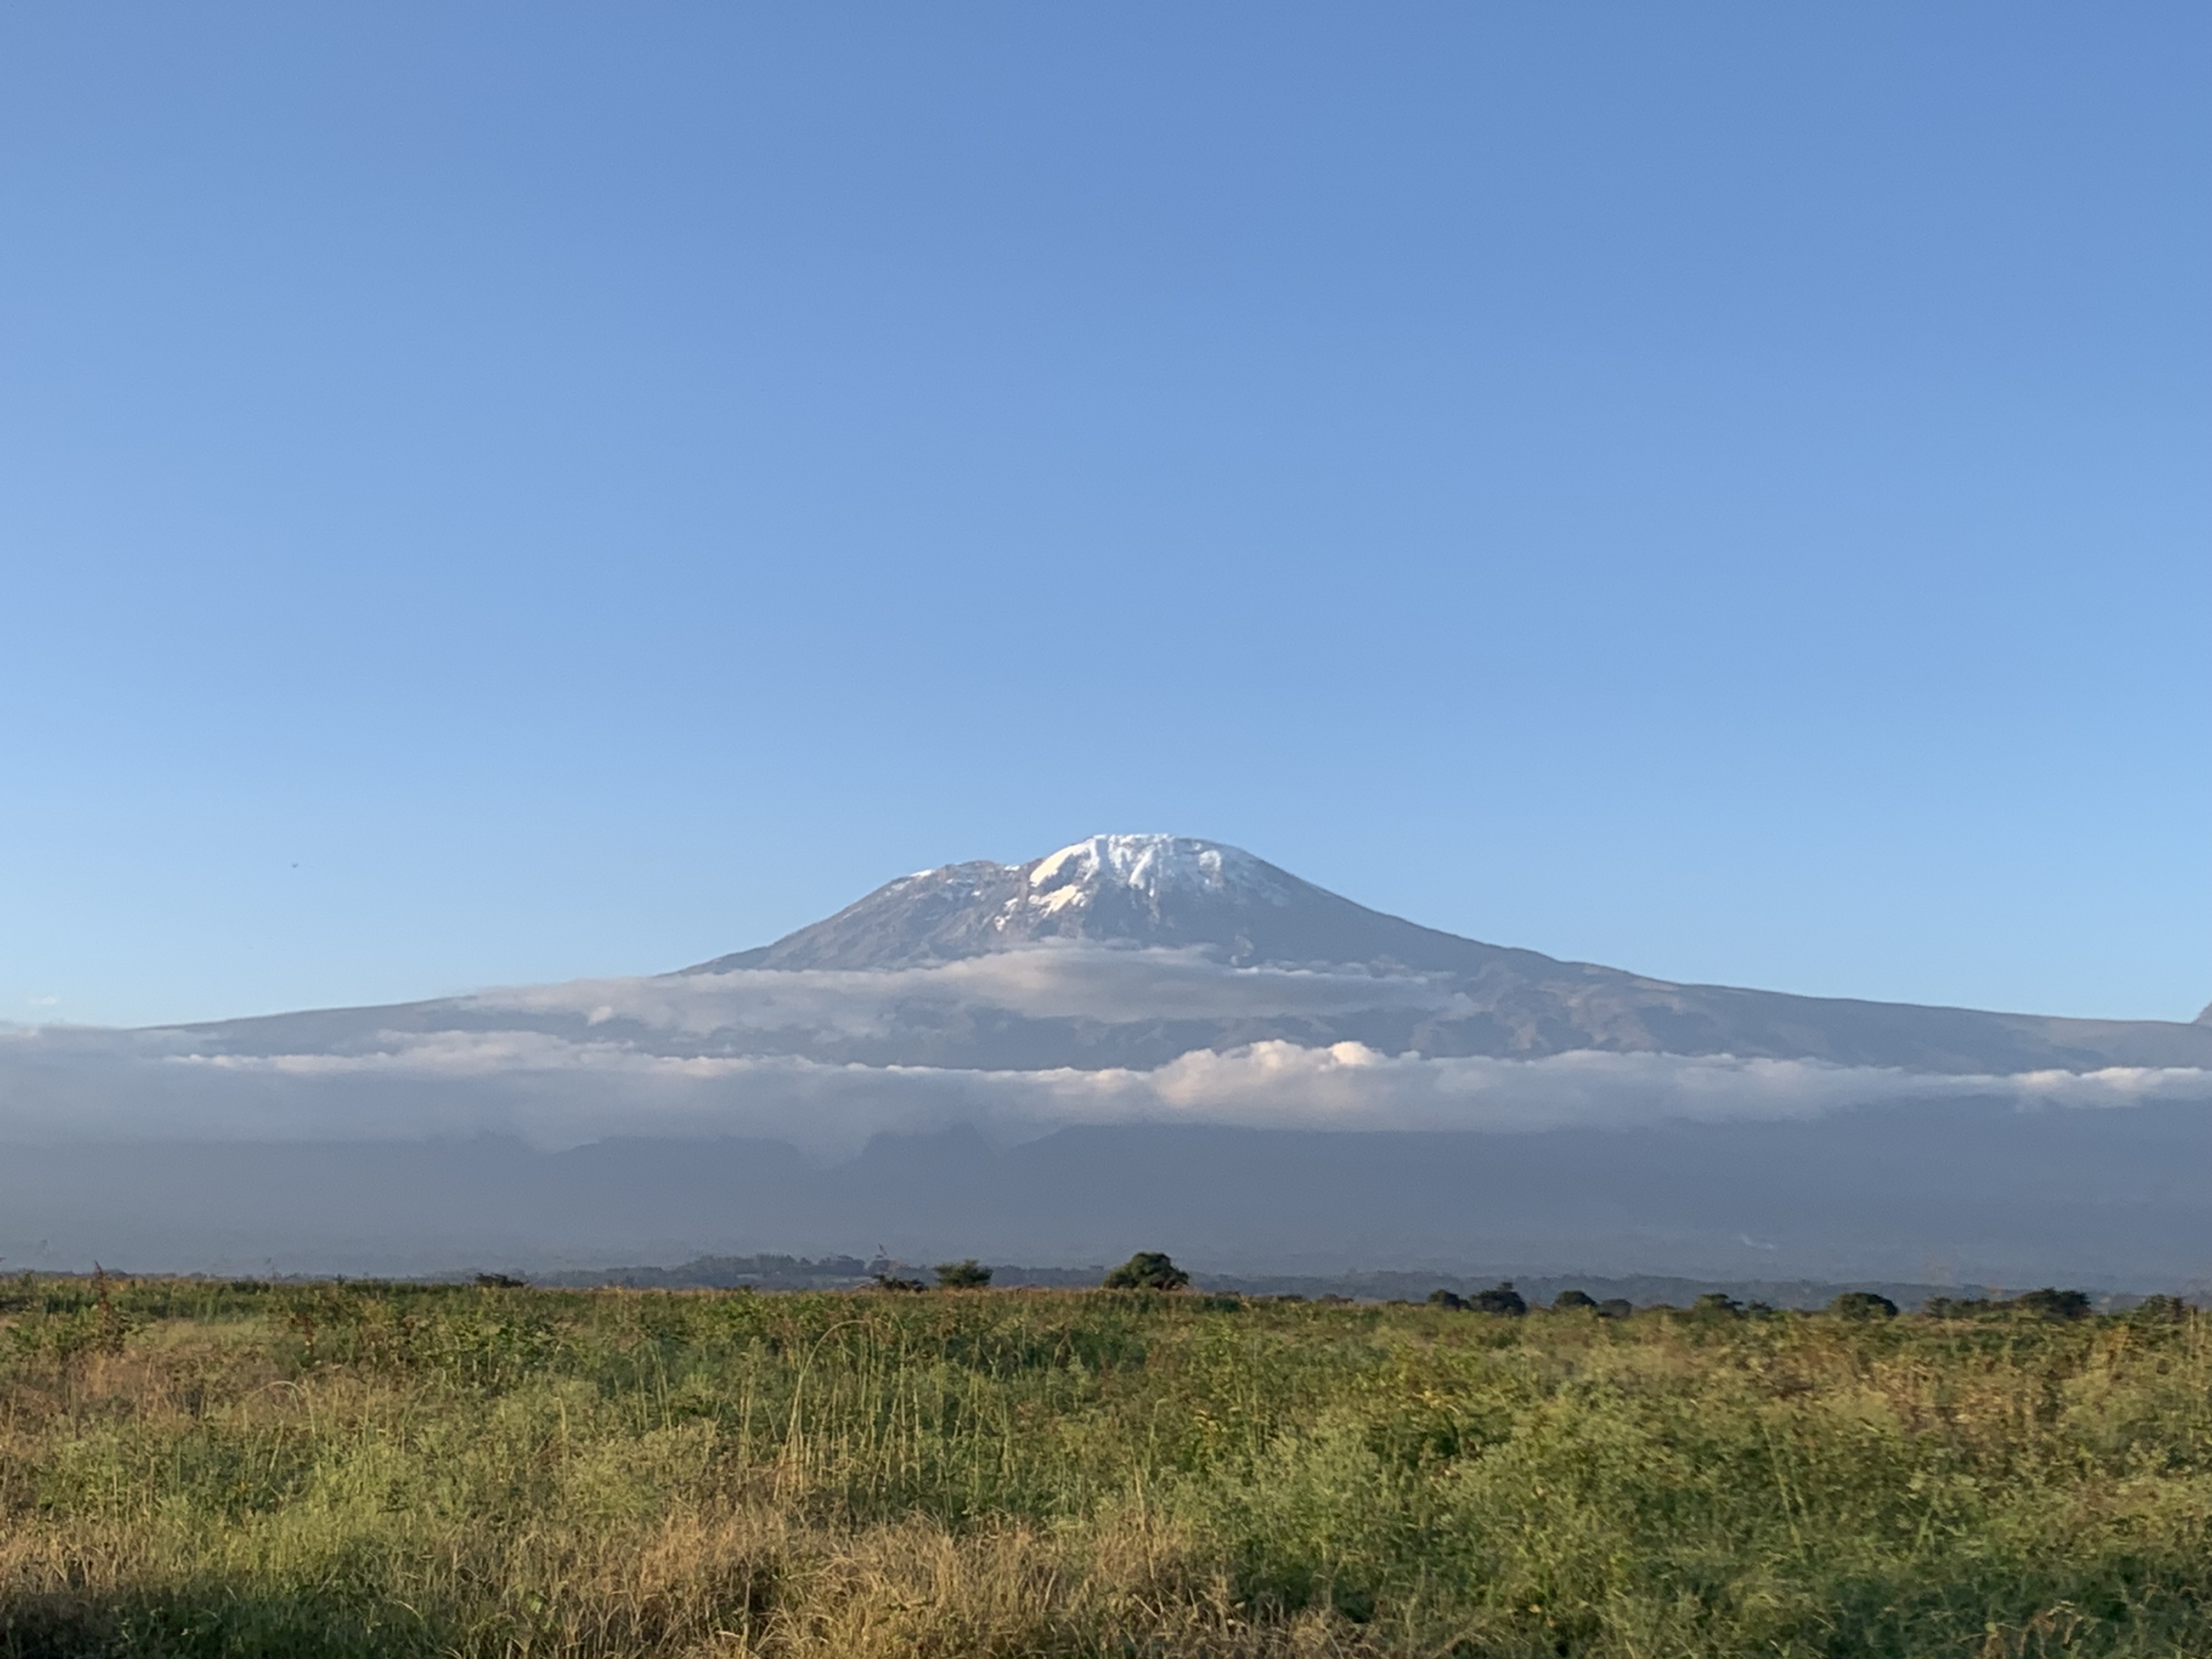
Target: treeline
x=1155, y=1270
x=2048, y=1303
x=799, y=1272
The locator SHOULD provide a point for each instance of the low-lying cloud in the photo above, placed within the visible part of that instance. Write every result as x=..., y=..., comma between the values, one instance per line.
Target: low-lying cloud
x=555, y=1092
x=1056, y=980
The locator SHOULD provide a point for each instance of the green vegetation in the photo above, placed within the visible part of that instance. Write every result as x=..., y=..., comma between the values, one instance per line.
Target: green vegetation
x=198, y=1469
x=1501, y=1298
x=1147, y=1270
x=1862, y=1304
x=968, y=1275
x=2045, y=1303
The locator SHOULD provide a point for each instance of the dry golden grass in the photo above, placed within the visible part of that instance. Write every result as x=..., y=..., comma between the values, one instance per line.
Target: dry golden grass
x=372, y=1470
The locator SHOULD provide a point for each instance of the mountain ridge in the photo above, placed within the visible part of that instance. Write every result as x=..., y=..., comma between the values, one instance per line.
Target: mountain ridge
x=1151, y=902
x=1130, y=1040
x=1166, y=890
x=1181, y=892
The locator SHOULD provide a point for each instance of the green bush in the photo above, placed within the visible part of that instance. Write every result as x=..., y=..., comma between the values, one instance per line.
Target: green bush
x=1499, y=1298
x=2048, y=1303
x=1147, y=1270
x=968, y=1275
x=1862, y=1304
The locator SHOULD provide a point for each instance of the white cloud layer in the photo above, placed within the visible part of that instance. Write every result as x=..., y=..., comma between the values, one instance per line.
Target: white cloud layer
x=555, y=1092
x=1058, y=979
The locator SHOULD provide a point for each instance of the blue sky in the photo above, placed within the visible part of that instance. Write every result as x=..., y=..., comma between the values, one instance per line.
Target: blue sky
x=493, y=493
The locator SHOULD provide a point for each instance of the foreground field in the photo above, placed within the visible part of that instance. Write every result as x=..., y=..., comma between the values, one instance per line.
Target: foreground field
x=204, y=1470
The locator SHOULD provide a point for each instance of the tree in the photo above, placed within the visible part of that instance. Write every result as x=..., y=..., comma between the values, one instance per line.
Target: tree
x=1443, y=1298
x=969, y=1275
x=1499, y=1298
x=1147, y=1270
x=1716, y=1305
x=2048, y=1303
x=1862, y=1304
x=1574, y=1301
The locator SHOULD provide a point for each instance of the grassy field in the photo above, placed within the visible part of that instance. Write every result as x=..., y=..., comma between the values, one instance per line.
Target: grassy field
x=191, y=1468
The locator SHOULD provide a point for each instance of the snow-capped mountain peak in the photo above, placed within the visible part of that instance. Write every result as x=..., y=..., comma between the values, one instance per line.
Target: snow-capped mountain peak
x=1126, y=889
x=1153, y=868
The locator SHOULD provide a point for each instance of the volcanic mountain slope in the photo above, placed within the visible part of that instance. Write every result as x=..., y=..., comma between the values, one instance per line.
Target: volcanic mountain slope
x=1132, y=950
x=1163, y=891
x=1160, y=891
x=1282, y=1070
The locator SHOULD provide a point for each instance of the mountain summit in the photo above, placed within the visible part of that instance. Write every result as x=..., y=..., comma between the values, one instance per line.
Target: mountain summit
x=1124, y=890
x=1138, y=891
x=1133, y=950
x=1190, y=1038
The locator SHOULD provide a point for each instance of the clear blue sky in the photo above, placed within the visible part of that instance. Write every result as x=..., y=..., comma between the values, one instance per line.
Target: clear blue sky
x=501, y=492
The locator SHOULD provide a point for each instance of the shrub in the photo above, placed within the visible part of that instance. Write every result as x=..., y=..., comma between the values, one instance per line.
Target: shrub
x=1443, y=1298
x=969, y=1275
x=1862, y=1304
x=1574, y=1301
x=1499, y=1298
x=1615, y=1307
x=2048, y=1303
x=1147, y=1270
x=1713, y=1304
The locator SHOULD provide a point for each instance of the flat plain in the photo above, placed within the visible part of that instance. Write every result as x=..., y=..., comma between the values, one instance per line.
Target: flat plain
x=189, y=1467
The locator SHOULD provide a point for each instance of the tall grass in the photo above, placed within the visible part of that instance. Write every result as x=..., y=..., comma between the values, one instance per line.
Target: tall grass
x=192, y=1469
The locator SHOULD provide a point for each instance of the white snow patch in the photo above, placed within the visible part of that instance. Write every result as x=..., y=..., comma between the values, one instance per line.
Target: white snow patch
x=1153, y=866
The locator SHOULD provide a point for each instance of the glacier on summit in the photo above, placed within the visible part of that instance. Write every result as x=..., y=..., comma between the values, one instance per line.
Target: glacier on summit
x=1151, y=867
